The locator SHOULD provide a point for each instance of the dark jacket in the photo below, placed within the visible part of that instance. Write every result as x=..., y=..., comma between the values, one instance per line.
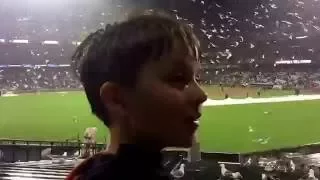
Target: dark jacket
x=131, y=162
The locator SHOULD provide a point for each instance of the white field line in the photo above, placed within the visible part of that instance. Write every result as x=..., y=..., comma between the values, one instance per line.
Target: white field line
x=250, y=100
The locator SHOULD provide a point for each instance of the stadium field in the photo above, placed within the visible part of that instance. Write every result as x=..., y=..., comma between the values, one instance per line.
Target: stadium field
x=231, y=128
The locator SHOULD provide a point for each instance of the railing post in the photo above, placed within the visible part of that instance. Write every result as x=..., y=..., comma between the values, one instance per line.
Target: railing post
x=13, y=152
x=79, y=146
x=194, y=153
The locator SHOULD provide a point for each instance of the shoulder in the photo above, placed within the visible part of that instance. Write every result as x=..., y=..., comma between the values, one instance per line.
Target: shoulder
x=91, y=167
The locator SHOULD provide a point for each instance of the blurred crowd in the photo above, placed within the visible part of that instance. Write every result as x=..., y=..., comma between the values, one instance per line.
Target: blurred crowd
x=279, y=80
x=231, y=33
x=37, y=78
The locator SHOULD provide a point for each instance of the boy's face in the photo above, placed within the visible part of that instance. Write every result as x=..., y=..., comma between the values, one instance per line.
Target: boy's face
x=166, y=100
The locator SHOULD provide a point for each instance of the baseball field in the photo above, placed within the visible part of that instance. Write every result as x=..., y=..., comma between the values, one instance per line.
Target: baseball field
x=224, y=128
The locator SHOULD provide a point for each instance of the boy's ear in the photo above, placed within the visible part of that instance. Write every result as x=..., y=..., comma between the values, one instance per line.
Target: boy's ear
x=112, y=97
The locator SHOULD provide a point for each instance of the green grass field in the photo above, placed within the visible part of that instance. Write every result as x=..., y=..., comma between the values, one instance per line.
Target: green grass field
x=51, y=116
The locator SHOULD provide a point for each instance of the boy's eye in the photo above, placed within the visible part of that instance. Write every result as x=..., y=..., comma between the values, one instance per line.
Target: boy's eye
x=177, y=78
x=178, y=81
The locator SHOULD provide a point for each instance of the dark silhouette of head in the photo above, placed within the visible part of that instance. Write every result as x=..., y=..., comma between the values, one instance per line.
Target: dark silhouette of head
x=139, y=78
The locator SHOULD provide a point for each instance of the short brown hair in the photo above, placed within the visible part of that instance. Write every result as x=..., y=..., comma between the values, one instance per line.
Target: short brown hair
x=117, y=52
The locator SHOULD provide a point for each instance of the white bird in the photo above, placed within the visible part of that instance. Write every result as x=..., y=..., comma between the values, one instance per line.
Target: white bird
x=45, y=153
x=77, y=153
x=178, y=172
x=264, y=176
x=236, y=175
x=268, y=167
x=311, y=175
x=249, y=162
x=226, y=173
x=65, y=154
x=292, y=166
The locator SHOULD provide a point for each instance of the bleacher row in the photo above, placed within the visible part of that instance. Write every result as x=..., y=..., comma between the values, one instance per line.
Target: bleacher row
x=40, y=170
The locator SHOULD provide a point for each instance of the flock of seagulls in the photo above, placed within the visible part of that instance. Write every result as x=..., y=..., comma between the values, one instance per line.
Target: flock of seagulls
x=309, y=176
x=309, y=173
x=178, y=172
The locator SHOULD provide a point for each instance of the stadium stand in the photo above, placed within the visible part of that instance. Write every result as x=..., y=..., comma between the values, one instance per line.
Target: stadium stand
x=271, y=43
x=35, y=170
x=37, y=77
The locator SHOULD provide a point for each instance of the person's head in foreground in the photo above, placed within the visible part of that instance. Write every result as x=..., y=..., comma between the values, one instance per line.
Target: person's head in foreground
x=139, y=78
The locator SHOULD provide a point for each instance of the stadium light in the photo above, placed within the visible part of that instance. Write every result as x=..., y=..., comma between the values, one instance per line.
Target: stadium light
x=76, y=43
x=19, y=41
x=301, y=37
x=50, y=42
x=293, y=62
x=36, y=65
x=64, y=65
x=14, y=65
x=52, y=65
x=2, y=40
x=27, y=65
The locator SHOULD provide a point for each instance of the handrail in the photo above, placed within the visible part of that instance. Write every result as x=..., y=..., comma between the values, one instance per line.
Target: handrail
x=21, y=142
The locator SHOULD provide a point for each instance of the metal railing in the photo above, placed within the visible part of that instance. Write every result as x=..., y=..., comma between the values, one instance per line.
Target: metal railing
x=12, y=150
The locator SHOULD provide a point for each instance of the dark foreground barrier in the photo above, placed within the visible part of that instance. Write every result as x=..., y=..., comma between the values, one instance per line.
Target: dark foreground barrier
x=22, y=150
x=40, y=170
x=251, y=165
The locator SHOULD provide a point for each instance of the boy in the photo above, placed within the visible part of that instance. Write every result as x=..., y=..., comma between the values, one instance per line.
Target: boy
x=139, y=78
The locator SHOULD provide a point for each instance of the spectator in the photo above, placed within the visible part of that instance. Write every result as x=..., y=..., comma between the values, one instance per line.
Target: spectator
x=144, y=106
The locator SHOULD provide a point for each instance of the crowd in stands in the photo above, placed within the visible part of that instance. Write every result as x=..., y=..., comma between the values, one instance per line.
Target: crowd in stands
x=37, y=78
x=252, y=32
x=284, y=79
